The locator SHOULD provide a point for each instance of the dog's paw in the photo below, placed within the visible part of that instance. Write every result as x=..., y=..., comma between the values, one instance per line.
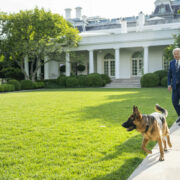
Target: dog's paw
x=161, y=159
x=165, y=149
x=170, y=145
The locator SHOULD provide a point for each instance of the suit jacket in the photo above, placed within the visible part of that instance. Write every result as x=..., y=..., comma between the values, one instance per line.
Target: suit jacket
x=172, y=74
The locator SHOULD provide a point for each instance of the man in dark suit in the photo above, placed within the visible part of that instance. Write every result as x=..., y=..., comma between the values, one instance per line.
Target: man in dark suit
x=174, y=81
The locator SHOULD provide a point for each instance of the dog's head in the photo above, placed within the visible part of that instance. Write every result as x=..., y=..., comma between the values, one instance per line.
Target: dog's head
x=133, y=119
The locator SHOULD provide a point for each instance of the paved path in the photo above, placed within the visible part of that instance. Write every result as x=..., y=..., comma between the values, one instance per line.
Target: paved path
x=152, y=168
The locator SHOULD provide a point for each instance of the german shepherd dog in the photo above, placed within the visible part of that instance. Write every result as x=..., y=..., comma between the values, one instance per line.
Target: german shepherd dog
x=153, y=127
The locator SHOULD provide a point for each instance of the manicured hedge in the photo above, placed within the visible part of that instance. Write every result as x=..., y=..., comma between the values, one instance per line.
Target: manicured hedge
x=94, y=80
x=61, y=81
x=38, y=84
x=7, y=87
x=150, y=80
x=16, y=84
x=164, y=81
x=72, y=82
x=27, y=84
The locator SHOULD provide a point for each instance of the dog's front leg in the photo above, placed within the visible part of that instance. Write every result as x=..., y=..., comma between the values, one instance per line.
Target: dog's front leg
x=144, y=143
x=161, y=149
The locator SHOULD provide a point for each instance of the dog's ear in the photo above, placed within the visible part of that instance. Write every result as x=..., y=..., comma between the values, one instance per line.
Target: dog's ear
x=137, y=112
x=134, y=108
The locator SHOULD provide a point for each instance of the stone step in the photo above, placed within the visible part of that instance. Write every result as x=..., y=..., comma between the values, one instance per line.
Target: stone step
x=124, y=83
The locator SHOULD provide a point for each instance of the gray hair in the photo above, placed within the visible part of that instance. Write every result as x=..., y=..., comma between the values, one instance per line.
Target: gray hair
x=176, y=49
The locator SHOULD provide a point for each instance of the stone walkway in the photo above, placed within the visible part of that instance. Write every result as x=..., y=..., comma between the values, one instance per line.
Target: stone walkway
x=152, y=168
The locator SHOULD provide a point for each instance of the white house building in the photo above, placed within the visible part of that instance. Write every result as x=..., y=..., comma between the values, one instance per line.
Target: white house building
x=123, y=48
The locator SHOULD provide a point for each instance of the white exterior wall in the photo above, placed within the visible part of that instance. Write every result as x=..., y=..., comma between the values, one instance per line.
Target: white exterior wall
x=53, y=69
x=125, y=64
x=100, y=62
x=156, y=58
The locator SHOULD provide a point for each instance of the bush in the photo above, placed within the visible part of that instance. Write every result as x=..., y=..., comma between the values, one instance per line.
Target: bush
x=62, y=68
x=16, y=84
x=150, y=80
x=27, y=84
x=94, y=80
x=81, y=67
x=61, y=81
x=72, y=82
x=51, y=83
x=39, y=84
x=12, y=73
x=161, y=74
x=105, y=78
x=164, y=81
x=82, y=80
x=7, y=87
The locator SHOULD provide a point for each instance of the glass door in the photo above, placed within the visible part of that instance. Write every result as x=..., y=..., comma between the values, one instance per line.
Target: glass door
x=137, y=66
x=109, y=68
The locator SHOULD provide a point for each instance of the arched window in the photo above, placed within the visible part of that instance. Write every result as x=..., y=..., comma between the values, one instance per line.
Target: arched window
x=109, y=56
x=137, y=54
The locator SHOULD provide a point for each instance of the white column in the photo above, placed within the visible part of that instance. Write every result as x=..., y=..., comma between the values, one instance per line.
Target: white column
x=117, y=64
x=146, y=59
x=68, y=65
x=91, y=62
x=26, y=65
x=46, y=68
x=39, y=71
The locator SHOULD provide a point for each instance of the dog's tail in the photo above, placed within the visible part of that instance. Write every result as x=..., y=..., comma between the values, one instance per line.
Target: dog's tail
x=162, y=110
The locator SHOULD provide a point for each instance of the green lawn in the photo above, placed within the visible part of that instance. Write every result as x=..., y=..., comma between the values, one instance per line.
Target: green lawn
x=73, y=133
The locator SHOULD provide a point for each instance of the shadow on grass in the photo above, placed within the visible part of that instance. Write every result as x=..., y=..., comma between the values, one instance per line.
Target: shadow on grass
x=119, y=107
x=123, y=172
x=131, y=145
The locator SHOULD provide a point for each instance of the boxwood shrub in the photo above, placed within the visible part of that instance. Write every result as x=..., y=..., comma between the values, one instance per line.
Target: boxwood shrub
x=72, y=82
x=150, y=80
x=105, y=78
x=164, y=81
x=161, y=74
x=7, y=87
x=39, y=84
x=16, y=84
x=94, y=80
x=27, y=84
x=82, y=80
x=61, y=81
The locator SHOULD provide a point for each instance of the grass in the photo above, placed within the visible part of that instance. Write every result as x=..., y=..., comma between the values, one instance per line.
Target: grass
x=73, y=133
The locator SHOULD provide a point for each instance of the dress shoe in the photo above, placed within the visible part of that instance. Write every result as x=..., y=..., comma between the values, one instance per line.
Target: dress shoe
x=178, y=120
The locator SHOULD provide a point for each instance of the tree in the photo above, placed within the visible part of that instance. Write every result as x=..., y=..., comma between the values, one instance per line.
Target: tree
x=36, y=34
x=168, y=50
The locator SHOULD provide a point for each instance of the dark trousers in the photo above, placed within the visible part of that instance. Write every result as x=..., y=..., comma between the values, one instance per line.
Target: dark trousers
x=176, y=98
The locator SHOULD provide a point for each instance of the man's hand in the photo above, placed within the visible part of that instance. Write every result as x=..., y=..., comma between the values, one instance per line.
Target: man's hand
x=169, y=88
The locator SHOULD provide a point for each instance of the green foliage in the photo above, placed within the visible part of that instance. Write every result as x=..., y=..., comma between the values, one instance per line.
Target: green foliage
x=27, y=84
x=36, y=33
x=105, y=78
x=38, y=84
x=81, y=67
x=164, y=81
x=63, y=68
x=51, y=83
x=12, y=73
x=150, y=80
x=82, y=80
x=61, y=81
x=161, y=74
x=94, y=80
x=168, y=50
x=7, y=87
x=16, y=84
x=72, y=82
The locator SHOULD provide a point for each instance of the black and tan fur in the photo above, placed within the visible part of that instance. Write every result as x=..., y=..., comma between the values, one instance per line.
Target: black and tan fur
x=153, y=127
